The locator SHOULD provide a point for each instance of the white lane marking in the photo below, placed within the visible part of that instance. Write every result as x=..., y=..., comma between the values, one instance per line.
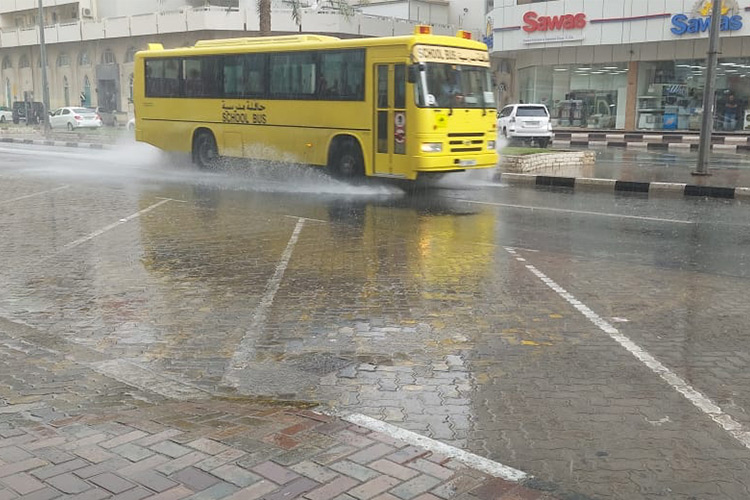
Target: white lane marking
x=524, y=249
x=482, y=464
x=244, y=353
x=700, y=401
x=576, y=212
x=19, y=408
x=33, y=195
x=103, y=230
x=306, y=218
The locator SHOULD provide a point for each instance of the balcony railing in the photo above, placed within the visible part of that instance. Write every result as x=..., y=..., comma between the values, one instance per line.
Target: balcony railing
x=9, y=6
x=212, y=19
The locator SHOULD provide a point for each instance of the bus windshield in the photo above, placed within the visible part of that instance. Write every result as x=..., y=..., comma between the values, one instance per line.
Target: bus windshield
x=455, y=86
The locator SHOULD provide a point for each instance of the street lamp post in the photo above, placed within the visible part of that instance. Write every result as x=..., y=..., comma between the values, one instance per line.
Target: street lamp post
x=45, y=82
x=709, y=103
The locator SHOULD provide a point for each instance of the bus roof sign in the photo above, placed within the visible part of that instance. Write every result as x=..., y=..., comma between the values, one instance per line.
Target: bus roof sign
x=450, y=55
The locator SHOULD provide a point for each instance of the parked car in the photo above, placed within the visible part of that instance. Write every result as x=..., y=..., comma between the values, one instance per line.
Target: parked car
x=526, y=122
x=112, y=118
x=6, y=114
x=73, y=118
x=29, y=112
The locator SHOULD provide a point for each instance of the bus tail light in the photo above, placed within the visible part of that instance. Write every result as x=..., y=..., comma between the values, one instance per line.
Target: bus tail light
x=432, y=147
x=423, y=30
x=466, y=35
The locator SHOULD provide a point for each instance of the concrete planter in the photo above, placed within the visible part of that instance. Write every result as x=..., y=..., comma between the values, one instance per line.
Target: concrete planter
x=554, y=163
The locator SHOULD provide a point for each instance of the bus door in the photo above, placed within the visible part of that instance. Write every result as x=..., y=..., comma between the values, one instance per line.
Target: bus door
x=392, y=121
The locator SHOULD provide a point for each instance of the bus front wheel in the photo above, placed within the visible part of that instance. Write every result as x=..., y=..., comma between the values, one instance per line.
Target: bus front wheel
x=347, y=161
x=205, y=152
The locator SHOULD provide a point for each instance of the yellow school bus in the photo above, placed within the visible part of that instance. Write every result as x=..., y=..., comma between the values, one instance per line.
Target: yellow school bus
x=396, y=107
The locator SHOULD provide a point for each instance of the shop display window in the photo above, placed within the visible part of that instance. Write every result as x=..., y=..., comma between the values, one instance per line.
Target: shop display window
x=579, y=96
x=670, y=95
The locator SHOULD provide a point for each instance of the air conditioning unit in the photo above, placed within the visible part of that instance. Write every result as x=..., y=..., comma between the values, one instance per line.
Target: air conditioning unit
x=86, y=12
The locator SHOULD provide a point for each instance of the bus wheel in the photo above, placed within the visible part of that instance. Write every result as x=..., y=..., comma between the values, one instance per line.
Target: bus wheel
x=347, y=162
x=205, y=152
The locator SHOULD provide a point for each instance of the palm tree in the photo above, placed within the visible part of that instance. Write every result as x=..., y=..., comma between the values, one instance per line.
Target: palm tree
x=264, y=15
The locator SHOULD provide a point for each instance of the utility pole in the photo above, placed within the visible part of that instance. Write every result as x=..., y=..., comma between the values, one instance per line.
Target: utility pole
x=709, y=103
x=45, y=82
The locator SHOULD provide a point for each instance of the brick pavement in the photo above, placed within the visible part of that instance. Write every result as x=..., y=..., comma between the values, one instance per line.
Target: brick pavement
x=228, y=449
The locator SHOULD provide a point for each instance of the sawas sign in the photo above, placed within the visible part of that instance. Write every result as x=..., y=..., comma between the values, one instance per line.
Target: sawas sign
x=535, y=23
x=699, y=20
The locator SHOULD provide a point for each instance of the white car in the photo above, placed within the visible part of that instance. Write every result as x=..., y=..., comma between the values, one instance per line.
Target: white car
x=6, y=115
x=527, y=122
x=73, y=118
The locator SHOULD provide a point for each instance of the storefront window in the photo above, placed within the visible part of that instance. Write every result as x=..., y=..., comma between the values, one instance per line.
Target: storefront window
x=585, y=96
x=670, y=95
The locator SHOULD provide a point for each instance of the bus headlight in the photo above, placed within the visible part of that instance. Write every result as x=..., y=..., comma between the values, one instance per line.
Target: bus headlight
x=491, y=145
x=432, y=147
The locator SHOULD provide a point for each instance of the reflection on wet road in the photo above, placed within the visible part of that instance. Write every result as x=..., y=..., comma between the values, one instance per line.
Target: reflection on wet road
x=431, y=310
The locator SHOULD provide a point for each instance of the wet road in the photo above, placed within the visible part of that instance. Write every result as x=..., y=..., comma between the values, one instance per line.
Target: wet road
x=727, y=169
x=597, y=342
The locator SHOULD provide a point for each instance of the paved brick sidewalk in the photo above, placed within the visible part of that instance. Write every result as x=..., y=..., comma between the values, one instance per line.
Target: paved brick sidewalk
x=228, y=450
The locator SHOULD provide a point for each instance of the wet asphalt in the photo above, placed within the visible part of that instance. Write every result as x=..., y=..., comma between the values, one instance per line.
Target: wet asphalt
x=417, y=307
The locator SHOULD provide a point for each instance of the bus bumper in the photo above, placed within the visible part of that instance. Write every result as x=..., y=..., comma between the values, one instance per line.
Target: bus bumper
x=454, y=163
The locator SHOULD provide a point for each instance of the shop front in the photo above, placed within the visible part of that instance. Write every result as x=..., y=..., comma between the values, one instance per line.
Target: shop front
x=627, y=65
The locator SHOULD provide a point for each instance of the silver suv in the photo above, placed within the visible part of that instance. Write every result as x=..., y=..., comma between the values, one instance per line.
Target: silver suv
x=527, y=122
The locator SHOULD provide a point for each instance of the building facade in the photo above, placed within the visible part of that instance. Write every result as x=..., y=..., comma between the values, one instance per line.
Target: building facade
x=467, y=15
x=91, y=43
x=622, y=65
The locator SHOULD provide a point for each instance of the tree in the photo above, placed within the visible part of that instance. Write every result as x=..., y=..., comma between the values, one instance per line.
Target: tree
x=264, y=11
x=264, y=16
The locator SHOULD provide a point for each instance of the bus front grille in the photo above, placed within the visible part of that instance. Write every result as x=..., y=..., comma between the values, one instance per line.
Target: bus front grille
x=466, y=142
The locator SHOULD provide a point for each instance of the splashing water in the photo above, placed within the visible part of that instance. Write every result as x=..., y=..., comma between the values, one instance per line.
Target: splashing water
x=133, y=164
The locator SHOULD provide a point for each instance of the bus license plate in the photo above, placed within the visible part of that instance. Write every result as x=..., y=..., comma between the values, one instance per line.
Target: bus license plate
x=467, y=163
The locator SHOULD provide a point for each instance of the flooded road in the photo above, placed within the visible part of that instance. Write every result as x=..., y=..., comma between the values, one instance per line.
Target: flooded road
x=598, y=342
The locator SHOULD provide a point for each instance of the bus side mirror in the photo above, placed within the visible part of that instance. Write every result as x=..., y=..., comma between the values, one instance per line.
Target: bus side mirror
x=414, y=70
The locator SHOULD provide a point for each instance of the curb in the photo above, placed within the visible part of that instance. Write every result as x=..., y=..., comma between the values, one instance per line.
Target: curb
x=60, y=144
x=651, y=189
x=649, y=145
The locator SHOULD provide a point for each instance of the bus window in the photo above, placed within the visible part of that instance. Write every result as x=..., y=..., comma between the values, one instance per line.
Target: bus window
x=244, y=75
x=342, y=75
x=202, y=77
x=255, y=67
x=162, y=78
x=293, y=75
x=400, y=88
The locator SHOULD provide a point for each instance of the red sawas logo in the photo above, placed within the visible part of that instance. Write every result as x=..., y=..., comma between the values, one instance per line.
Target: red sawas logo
x=552, y=23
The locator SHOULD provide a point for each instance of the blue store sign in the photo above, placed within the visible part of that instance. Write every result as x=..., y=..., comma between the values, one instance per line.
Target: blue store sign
x=683, y=24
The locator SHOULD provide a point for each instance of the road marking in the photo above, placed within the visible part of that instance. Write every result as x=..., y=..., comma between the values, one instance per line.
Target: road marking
x=20, y=408
x=482, y=464
x=244, y=353
x=33, y=195
x=576, y=212
x=103, y=230
x=700, y=401
x=306, y=218
x=147, y=380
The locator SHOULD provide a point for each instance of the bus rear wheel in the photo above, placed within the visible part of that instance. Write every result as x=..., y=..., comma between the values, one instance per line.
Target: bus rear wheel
x=347, y=162
x=205, y=152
